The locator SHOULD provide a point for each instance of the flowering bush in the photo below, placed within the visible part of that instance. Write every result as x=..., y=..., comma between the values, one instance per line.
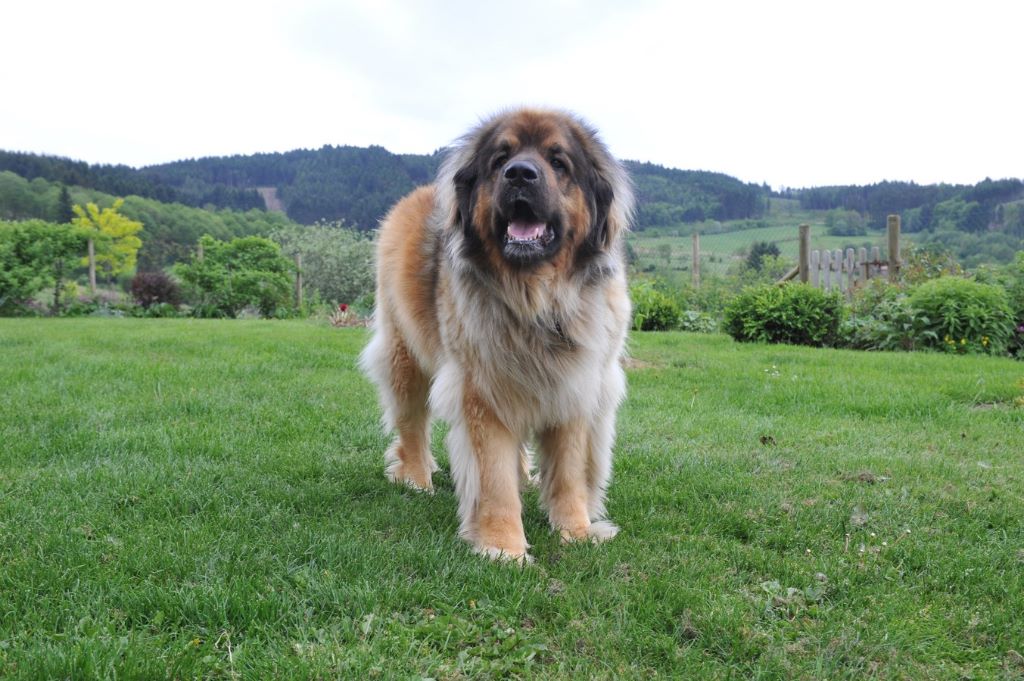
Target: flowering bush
x=958, y=315
x=343, y=315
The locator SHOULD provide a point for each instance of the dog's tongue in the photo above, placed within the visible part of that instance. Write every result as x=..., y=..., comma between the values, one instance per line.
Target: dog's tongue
x=525, y=231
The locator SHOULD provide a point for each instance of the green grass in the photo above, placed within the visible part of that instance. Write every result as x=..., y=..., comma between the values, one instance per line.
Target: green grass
x=185, y=499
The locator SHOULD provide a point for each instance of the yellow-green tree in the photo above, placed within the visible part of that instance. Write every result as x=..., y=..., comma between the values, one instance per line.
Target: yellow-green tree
x=115, y=236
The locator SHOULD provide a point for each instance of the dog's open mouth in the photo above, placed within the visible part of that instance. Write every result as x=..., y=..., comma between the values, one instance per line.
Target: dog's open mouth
x=526, y=236
x=526, y=232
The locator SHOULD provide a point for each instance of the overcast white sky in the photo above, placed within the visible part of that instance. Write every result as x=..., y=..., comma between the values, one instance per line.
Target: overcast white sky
x=788, y=93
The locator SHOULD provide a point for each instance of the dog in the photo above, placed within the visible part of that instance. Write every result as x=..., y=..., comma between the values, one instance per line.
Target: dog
x=502, y=308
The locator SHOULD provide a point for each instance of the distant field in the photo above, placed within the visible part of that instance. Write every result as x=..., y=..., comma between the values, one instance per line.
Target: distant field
x=206, y=499
x=722, y=244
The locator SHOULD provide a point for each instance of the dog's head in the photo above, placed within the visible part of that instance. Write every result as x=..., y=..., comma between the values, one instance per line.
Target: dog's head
x=534, y=186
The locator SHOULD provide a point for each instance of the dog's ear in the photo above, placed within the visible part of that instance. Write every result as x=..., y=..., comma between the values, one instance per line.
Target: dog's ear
x=611, y=199
x=601, y=196
x=609, y=190
x=464, y=182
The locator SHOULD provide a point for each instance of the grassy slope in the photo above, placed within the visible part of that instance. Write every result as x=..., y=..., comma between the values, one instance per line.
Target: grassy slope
x=720, y=250
x=190, y=498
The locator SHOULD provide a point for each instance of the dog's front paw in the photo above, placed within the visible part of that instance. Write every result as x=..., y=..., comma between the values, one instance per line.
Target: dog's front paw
x=416, y=476
x=502, y=555
x=597, y=532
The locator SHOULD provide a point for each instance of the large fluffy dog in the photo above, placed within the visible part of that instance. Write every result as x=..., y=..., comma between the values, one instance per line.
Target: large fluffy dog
x=502, y=308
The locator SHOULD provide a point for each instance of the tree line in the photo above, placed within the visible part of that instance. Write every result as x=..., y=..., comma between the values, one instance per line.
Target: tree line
x=359, y=184
x=170, y=230
x=667, y=196
x=969, y=208
x=976, y=224
x=122, y=180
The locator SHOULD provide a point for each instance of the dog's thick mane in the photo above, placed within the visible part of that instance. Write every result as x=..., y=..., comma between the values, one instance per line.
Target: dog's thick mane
x=545, y=300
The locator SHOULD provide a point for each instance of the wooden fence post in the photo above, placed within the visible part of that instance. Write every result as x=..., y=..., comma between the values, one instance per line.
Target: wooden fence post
x=894, y=248
x=298, y=280
x=696, y=260
x=92, y=267
x=805, y=253
x=849, y=267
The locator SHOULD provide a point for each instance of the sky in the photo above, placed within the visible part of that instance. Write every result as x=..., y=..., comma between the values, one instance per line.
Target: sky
x=791, y=94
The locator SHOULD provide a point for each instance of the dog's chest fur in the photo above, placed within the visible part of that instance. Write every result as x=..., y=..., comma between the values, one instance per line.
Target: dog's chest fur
x=537, y=346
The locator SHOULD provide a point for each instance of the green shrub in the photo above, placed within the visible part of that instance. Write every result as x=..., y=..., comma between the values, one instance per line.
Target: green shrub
x=337, y=262
x=155, y=288
x=244, y=272
x=35, y=255
x=792, y=313
x=889, y=325
x=1012, y=279
x=959, y=315
x=697, y=321
x=880, y=318
x=653, y=310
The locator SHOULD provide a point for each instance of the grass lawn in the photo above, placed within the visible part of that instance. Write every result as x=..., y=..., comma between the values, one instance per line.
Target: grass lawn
x=189, y=499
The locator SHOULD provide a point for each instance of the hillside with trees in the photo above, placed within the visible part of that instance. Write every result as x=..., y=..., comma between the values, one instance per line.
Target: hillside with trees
x=170, y=230
x=668, y=196
x=122, y=180
x=976, y=223
x=358, y=185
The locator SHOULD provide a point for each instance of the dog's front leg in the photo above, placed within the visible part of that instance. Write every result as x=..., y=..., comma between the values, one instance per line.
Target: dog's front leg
x=485, y=458
x=573, y=472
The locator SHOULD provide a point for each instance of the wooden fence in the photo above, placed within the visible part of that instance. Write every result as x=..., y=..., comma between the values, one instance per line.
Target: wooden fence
x=837, y=270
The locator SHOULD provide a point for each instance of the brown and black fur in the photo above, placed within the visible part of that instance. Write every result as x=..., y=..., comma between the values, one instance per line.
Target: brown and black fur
x=512, y=334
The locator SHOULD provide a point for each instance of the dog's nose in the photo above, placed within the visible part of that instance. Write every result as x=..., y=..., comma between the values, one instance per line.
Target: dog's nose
x=521, y=173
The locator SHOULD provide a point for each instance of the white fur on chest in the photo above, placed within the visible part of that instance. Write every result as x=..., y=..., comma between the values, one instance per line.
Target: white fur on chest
x=534, y=371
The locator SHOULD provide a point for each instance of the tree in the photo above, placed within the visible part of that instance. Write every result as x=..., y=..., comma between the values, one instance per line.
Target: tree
x=758, y=250
x=64, y=212
x=33, y=255
x=233, y=275
x=839, y=222
x=665, y=253
x=337, y=262
x=115, y=236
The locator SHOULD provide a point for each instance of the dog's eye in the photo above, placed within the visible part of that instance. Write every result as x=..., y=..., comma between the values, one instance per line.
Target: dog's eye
x=558, y=164
x=499, y=160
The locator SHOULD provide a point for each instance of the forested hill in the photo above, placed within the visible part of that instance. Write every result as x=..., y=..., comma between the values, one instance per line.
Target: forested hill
x=122, y=180
x=968, y=208
x=667, y=196
x=359, y=184
x=354, y=184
